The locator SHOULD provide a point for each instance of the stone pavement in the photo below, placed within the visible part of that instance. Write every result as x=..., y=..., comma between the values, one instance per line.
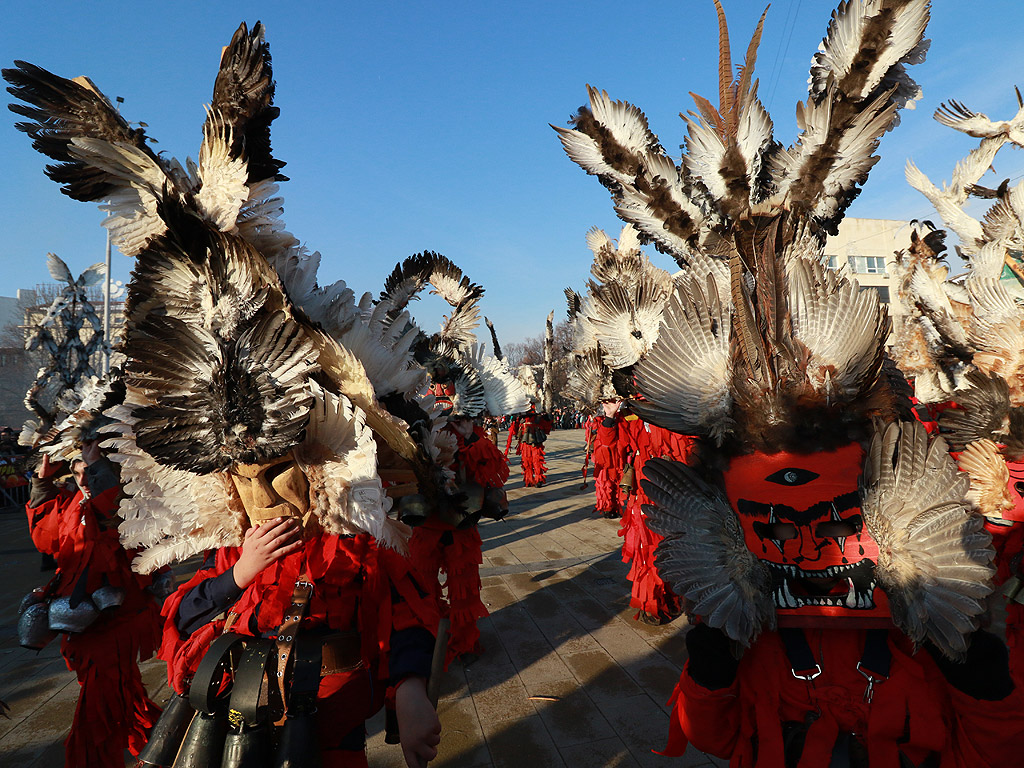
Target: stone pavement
x=567, y=677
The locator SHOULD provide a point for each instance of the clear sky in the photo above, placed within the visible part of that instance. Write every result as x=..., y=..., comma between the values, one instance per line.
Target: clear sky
x=424, y=126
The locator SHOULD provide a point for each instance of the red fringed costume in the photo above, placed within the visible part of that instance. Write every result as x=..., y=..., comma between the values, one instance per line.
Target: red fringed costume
x=532, y=430
x=767, y=713
x=648, y=593
x=610, y=441
x=358, y=585
x=437, y=546
x=113, y=711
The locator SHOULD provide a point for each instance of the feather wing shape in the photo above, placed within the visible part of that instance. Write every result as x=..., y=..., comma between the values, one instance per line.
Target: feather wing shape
x=935, y=558
x=687, y=374
x=215, y=350
x=504, y=394
x=590, y=378
x=62, y=110
x=703, y=555
x=843, y=327
x=984, y=412
x=243, y=97
x=986, y=466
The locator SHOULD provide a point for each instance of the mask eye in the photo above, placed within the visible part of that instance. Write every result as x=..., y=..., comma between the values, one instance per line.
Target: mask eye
x=792, y=476
x=1019, y=488
x=836, y=529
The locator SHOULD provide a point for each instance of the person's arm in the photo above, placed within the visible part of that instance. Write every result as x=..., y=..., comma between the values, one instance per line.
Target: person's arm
x=264, y=544
x=418, y=725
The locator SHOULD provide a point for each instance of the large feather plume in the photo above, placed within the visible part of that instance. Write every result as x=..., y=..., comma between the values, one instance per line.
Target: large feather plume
x=935, y=558
x=704, y=556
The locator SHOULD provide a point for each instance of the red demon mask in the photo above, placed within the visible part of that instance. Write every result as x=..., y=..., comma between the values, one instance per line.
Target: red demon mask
x=443, y=394
x=801, y=515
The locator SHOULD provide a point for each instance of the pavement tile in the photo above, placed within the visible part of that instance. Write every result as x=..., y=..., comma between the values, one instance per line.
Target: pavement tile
x=568, y=712
x=505, y=701
x=608, y=753
x=601, y=676
x=642, y=725
x=523, y=743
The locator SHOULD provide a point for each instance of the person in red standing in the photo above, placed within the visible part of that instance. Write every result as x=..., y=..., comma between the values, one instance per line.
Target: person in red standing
x=609, y=441
x=533, y=430
x=80, y=530
x=453, y=546
x=653, y=599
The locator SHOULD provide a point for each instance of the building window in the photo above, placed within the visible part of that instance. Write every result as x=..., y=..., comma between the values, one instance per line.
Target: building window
x=868, y=265
x=833, y=262
x=883, y=293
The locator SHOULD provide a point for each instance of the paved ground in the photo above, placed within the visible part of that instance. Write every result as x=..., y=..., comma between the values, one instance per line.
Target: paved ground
x=567, y=677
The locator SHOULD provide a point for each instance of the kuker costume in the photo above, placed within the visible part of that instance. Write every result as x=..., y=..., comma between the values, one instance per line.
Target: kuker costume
x=818, y=536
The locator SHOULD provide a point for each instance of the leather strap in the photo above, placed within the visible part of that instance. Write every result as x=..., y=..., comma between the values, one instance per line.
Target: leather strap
x=305, y=682
x=221, y=654
x=248, y=685
x=284, y=643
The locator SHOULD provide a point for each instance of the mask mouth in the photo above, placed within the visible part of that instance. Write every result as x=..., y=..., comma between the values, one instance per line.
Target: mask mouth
x=842, y=586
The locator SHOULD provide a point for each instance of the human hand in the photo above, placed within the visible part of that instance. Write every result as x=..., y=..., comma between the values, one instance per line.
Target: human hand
x=264, y=545
x=712, y=663
x=50, y=468
x=418, y=725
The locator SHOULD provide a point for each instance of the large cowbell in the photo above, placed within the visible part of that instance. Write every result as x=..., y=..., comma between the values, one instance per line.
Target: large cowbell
x=801, y=516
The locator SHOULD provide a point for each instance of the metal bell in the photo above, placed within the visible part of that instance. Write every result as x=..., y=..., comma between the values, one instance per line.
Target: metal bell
x=107, y=597
x=166, y=737
x=64, y=618
x=298, y=745
x=413, y=509
x=163, y=585
x=495, y=504
x=248, y=748
x=34, y=627
x=203, y=745
x=469, y=520
x=37, y=595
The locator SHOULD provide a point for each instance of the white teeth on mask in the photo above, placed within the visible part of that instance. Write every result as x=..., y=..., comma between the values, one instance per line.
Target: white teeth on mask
x=852, y=598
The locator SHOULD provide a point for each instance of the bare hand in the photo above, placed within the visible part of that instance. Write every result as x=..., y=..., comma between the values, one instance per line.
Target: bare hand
x=264, y=545
x=50, y=468
x=418, y=725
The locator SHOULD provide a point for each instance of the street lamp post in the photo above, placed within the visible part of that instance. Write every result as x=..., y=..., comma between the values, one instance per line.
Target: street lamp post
x=106, y=289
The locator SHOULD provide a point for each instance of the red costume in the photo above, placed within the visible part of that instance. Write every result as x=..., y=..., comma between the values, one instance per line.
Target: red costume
x=532, y=430
x=769, y=718
x=438, y=546
x=649, y=594
x=113, y=709
x=609, y=440
x=358, y=585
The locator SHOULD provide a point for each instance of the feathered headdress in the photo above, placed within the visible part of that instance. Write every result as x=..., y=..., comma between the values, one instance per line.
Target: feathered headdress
x=224, y=365
x=810, y=496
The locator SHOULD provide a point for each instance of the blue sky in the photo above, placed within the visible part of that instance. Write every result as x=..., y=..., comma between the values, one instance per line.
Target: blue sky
x=424, y=126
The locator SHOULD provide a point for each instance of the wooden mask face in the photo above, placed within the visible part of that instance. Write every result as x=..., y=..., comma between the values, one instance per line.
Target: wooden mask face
x=801, y=515
x=276, y=488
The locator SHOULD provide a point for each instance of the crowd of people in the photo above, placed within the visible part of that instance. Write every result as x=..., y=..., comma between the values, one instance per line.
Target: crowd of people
x=834, y=537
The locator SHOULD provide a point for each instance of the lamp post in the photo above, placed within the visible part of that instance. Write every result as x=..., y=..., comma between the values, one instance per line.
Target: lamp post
x=106, y=289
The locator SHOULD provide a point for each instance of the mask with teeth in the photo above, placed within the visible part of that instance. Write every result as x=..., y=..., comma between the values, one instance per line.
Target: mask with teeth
x=801, y=515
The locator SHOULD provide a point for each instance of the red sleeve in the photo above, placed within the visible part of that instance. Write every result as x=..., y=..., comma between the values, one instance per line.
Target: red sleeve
x=44, y=525
x=707, y=719
x=987, y=732
x=184, y=654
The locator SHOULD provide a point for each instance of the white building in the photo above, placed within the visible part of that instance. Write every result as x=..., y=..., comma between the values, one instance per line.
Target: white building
x=865, y=249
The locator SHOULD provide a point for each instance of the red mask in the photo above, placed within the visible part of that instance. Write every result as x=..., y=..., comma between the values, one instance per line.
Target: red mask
x=800, y=514
x=443, y=394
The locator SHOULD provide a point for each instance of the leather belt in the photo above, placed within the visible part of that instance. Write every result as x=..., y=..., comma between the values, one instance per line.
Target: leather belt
x=341, y=652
